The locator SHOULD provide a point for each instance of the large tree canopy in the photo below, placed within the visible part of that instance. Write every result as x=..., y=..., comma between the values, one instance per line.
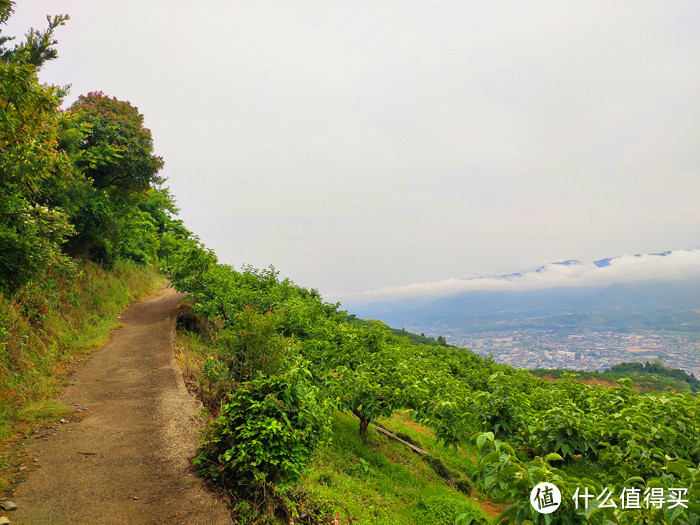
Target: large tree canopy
x=117, y=151
x=114, y=151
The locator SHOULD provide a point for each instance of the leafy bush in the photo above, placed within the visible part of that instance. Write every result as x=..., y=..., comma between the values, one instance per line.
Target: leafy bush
x=248, y=349
x=266, y=433
x=252, y=347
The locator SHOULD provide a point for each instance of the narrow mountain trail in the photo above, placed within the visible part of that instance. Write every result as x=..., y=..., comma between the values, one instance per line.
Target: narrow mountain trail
x=126, y=458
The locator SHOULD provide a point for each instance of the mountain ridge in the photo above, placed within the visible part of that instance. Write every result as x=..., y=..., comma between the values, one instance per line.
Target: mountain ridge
x=670, y=304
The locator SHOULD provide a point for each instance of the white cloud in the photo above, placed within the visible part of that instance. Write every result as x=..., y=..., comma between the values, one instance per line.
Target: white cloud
x=677, y=265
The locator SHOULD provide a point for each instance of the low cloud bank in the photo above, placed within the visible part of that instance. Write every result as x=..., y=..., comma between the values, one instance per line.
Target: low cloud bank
x=676, y=265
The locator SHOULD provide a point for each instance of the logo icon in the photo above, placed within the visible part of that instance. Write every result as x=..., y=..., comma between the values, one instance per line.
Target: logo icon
x=545, y=498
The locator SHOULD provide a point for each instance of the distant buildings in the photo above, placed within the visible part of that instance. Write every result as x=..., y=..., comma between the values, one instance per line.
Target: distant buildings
x=584, y=350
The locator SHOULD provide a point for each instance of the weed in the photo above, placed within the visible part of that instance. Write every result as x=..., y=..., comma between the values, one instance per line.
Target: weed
x=46, y=325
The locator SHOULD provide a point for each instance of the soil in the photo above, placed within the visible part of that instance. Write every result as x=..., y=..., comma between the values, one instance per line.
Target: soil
x=124, y=455
x=588, y=381
x=491, y=508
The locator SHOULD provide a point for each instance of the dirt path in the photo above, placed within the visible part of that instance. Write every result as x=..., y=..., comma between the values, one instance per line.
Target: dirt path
x=126, y=460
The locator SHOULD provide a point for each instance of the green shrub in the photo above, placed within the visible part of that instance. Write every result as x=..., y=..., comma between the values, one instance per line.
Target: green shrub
x=214, y=381
x=266, y=433
x=251, y=347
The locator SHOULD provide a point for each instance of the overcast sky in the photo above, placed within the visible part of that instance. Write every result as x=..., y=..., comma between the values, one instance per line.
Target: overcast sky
x=358, y=145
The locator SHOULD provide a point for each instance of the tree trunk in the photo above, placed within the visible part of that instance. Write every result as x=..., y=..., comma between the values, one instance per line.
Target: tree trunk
x=364, y=423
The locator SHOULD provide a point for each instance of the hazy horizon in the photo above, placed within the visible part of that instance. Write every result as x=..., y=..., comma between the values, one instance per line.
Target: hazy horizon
x=679, y=265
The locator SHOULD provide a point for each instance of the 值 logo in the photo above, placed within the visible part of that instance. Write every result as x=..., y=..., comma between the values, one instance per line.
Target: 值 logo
x=545, y=498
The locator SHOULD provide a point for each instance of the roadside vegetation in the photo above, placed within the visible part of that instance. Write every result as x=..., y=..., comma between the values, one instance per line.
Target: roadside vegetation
x=518, y=430
x=292, y=385
x=50, y=325
x=84, y=224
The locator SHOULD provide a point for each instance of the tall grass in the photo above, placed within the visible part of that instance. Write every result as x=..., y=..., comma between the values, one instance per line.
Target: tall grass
x=49, y=324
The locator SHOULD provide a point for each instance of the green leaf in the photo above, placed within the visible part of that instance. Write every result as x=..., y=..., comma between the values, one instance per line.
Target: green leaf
x=553, y=456
x=464, y=519
x=677, y=468
x=634, y=479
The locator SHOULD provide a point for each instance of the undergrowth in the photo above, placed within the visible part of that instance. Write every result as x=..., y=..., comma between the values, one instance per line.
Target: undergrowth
x=51, y=323
x=378, y=481
x=382, y=482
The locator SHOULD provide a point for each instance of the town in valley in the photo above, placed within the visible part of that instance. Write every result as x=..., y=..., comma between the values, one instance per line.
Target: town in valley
x=590, y=350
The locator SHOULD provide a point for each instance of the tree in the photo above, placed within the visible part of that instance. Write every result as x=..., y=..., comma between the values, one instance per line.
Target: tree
x=363, y=372
x=118, y=150
x=121, y=215
x=32, y=229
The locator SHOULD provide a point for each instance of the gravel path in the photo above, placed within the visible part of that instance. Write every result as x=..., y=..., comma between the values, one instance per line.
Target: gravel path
x=126, y=458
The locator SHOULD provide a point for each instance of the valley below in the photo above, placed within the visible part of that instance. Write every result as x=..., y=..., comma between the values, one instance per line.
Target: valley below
x=589, y=350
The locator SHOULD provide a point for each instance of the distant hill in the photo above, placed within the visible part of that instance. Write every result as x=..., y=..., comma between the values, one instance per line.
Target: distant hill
x=663, y=306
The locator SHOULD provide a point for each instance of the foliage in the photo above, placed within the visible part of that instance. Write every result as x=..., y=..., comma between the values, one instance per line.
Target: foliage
x=86, y=182
x=500, y=472
x=439, y=511
x=589, y=432
x=656, y=367
x=117, y=152
x=120, y=215
x=31, y=228
x=369, y=389
x=249, y=349
x=265, y=433
x=252, y=348
x=647, y=377
x=80, y=181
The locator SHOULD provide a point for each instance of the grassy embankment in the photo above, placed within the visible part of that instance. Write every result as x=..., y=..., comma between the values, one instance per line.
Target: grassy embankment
x=50, y=325
x=378, y=481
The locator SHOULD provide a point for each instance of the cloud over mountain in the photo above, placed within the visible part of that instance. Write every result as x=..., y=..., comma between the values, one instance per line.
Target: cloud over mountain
x=676, y=266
